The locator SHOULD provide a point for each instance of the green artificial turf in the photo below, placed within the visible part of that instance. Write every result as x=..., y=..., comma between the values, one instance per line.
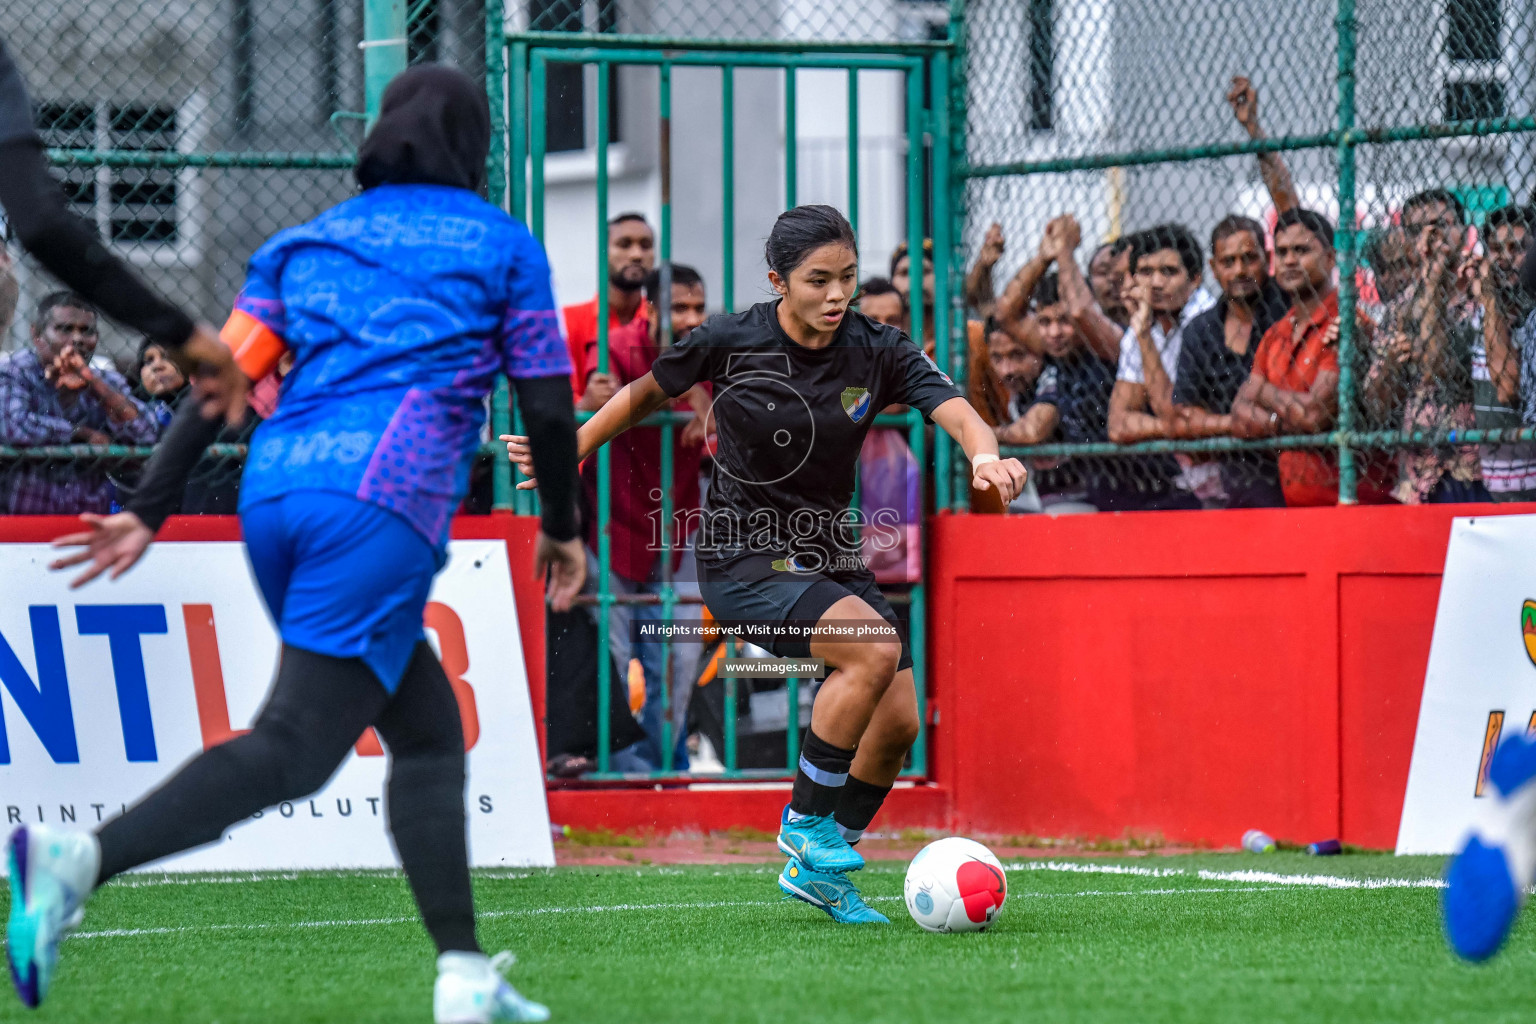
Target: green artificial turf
x=704, y=944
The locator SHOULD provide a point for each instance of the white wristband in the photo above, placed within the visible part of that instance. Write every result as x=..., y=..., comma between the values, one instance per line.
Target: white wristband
x=977, y=461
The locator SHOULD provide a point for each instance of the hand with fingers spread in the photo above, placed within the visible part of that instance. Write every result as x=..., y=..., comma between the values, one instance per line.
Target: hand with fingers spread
x=1007, y=475
x=69, y=370
x=563, y=563
x=114, y=543
x=520, y=454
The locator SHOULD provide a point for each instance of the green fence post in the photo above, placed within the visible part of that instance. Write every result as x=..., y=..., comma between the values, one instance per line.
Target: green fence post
x=728, y=727
x=538, y=123
x=792, y=724
x=950, y=329
x=604, y=456
x=664, y=312
x=384, y=51
x=1345, y=243
x=917, y=637
x=496, y=189
x=791, y=140
x=728, y=187
x=915, y=128
x=517, y=151
x=853, y=149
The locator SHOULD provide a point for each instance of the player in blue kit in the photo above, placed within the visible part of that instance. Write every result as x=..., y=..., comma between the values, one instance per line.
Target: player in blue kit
x=400, y=306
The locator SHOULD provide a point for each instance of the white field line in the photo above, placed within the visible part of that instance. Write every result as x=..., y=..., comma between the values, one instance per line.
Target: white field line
x=1274, y=878
x=1279, y=883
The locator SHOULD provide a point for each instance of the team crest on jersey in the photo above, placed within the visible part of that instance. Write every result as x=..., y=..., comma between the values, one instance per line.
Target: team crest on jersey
x=856, y=403
x=790, y=564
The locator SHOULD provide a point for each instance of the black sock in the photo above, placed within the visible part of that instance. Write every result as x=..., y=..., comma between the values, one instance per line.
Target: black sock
x=820, y=777
x=425, y=739
x=318, y=707
x=857, y=807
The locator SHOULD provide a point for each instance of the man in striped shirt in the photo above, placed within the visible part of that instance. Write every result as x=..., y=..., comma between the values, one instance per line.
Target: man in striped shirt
x=1504, y=342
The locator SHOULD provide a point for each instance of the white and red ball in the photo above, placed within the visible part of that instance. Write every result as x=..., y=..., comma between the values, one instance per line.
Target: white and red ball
x=955, y=885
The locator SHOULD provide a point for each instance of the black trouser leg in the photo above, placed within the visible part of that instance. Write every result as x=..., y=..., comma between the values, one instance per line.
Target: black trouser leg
x=421, y=728
x=318, y=707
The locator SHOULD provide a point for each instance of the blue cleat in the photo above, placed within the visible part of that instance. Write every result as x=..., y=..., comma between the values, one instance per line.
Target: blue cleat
x=816, y=843
x=52, y=872
x=1486, y=882
x=830, y=892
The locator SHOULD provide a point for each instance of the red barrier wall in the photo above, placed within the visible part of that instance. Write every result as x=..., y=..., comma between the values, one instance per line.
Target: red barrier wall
x=1189, y=674
x=1186, y=674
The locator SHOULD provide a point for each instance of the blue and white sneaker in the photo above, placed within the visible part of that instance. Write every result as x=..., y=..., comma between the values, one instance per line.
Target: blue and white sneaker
x=830, y=892
x=471, y=990
x=1487, y=881
x=815, y=842
x=52, y=872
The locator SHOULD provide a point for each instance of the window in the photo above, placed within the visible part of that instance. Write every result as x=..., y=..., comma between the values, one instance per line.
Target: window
x=1042, y=64
x=142, y=208
x=1473, y=71
x=569, y=118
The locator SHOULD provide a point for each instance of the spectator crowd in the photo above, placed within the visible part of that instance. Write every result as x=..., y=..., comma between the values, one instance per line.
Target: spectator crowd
x=1132, y=347
x=1129, y=345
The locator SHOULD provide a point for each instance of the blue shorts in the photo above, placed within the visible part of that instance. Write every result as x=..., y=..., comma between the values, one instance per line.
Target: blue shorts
x=341, y=577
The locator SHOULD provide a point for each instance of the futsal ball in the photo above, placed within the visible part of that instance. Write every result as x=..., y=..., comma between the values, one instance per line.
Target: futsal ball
x=955, y=885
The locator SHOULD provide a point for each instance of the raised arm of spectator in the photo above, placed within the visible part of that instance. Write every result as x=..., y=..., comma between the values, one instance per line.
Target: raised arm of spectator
x=1244, y=100
x=1012, y=309
x=1102, y=334
x=1436, y=361
x=1503, y=366
x=1158, y=384
x=979, y=293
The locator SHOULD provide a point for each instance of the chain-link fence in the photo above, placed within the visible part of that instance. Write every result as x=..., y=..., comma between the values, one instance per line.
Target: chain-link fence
x=1405, y=126
x=187, y=133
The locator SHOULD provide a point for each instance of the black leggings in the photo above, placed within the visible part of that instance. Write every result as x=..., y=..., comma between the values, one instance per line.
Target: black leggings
x=318, y=708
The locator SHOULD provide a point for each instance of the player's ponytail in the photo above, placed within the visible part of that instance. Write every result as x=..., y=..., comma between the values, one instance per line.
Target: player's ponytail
x=801, y=231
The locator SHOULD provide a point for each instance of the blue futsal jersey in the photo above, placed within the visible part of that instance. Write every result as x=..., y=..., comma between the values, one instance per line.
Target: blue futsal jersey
x=400, y=306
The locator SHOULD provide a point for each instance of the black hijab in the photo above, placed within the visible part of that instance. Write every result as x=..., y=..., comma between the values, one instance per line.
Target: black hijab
x=434, y=128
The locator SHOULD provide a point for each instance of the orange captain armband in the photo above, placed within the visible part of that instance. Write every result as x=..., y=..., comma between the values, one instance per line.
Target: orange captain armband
x=256, y=346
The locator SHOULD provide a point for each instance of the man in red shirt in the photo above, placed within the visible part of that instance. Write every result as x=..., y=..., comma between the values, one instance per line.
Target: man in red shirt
x=1294, y=386
x=634, y=526
x=631, y=256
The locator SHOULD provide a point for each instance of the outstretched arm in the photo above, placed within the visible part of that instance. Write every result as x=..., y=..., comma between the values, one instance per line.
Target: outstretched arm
x=979, y=443
x=634, y=402
x=978, y=282
x=1244, y=100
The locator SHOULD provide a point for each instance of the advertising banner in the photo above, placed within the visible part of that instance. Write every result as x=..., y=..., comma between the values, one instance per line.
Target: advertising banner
x=105, y=690
x=1481, y=682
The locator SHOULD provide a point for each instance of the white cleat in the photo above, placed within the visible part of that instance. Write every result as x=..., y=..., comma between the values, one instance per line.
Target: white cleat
x=52, y=872
x=471, y=990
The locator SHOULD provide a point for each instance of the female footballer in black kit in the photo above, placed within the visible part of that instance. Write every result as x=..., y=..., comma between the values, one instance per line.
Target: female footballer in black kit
x=796, y=384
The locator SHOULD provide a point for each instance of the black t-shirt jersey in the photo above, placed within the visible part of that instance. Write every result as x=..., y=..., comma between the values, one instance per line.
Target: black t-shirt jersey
x=791, y=421
x=15, y=108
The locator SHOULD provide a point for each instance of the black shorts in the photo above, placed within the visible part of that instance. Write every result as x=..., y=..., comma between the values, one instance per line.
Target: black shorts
x=746, y=588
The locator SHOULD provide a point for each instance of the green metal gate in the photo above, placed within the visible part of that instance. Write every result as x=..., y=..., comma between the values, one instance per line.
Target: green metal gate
x=926, y=72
